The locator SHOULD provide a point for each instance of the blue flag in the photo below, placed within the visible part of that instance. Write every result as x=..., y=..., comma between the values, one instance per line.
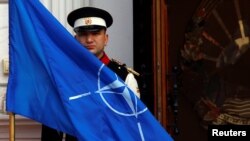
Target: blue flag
x=59, y=83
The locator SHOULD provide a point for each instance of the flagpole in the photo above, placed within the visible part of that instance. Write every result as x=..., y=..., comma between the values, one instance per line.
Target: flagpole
x=11, y=127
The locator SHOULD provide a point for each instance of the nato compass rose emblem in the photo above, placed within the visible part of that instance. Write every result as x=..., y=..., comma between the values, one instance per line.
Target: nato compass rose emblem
x=118, y=89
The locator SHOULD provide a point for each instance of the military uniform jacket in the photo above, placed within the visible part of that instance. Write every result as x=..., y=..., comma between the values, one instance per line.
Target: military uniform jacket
x=126, y=74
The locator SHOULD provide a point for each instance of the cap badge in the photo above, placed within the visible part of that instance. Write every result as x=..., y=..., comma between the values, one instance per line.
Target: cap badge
x=88, y=21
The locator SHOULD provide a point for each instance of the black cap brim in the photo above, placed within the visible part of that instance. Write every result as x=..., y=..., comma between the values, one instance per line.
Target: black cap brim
x=93, y=28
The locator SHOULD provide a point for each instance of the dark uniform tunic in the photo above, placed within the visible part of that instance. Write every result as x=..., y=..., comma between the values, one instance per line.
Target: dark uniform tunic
x=49, y=134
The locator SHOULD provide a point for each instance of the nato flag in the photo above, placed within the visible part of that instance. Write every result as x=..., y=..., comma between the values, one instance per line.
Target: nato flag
x=57, y=82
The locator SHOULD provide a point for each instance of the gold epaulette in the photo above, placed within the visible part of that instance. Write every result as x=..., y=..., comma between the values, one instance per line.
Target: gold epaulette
x=128, y=68
x=132, y=71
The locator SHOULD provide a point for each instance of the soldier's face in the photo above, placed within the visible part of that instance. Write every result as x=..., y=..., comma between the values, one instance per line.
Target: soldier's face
x=94, y=41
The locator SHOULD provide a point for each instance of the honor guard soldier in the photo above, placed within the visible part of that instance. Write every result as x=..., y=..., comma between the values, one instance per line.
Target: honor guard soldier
x=90, y=25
